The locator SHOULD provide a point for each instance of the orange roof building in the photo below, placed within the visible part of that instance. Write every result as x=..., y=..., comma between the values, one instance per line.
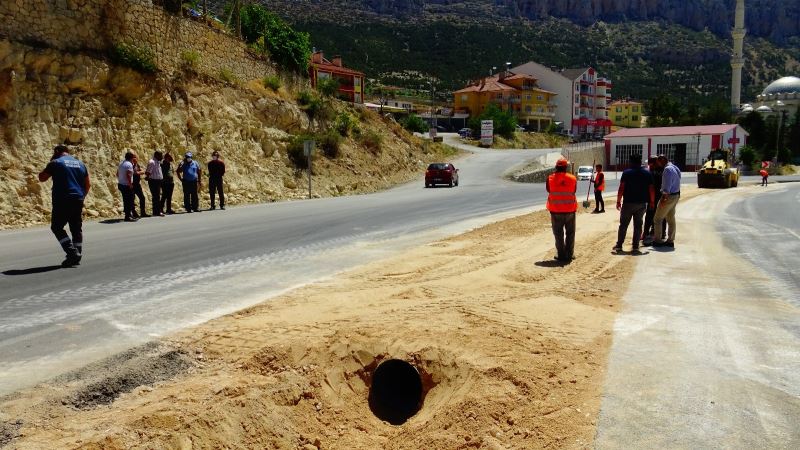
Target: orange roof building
x=519, y=94
x=351, y=82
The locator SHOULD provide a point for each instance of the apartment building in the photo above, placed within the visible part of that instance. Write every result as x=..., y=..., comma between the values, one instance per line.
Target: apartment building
x=582, y=97
x=519, y=94
x=626, y=113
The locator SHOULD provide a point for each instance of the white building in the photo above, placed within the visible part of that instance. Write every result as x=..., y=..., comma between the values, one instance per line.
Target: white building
x=782, y=95
x=582, y=100
x=686, y=147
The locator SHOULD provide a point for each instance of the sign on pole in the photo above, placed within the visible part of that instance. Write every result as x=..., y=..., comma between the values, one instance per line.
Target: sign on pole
x=308, y=151
x=487, y=132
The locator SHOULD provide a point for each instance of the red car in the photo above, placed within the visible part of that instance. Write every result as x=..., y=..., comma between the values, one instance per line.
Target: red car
x=441, y=173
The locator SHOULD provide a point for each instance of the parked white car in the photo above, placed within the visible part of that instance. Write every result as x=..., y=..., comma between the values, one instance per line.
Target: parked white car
x=585, y=173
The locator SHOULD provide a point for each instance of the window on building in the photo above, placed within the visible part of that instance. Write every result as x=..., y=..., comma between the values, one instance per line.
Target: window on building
x=323, y=75
x=666, y=149
x=528, y=108
x=635, y=109
x=618, y=118
x=357, y=81
x=528, y=96
x=577, y=111
x=619, y=109
x=635, y=118
x=540, y=109
x=540, y=97
x=464, y=97
x=357, y=98
x=624, y=152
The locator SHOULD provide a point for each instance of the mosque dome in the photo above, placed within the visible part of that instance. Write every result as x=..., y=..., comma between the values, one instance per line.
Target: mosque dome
x=785, y=85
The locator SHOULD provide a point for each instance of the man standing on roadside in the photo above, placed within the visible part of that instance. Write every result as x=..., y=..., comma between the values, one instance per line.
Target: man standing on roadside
x=670, y=194
x=70, y=186
x=154, y=178
x=599, y=182
x=216, y=169
x=656, y=171
x=125, y=185
x=189, y=173
x=635, y=192
x=764, y=177
x=562, y=204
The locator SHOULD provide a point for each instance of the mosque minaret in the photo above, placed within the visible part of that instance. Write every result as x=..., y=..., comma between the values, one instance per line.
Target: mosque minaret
x=737, y=61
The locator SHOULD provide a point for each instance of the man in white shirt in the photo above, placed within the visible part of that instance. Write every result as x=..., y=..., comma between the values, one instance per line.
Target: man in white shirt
x=125, y=185
x=154, y=178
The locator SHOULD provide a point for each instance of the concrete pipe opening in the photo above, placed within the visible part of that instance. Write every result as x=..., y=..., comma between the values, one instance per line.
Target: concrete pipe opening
x=396, y=391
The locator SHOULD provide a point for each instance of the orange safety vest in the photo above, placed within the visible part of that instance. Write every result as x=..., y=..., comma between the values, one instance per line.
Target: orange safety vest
x=600, y=182
x=562, y=193
x=763, y=172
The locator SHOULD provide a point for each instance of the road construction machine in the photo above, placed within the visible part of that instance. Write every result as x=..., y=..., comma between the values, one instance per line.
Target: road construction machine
x=718, y=171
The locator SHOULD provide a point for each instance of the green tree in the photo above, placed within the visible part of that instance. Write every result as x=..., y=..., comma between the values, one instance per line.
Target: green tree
x=663, y=111
x=754, y=124
x=794, y=135
x=287, y=46
x=719, y=112
x=504, y=122
x=748, y=155
x=414, y=123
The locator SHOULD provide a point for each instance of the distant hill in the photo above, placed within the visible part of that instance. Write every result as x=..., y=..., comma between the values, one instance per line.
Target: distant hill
x=680, y=47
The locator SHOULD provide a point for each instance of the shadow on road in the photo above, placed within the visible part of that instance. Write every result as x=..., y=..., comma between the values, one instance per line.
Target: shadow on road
x=31, y=270
x=550, y=263
x=111, y=221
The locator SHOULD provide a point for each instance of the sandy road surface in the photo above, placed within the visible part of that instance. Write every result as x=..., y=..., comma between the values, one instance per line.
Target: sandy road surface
x=512, y=349
x=707, y=352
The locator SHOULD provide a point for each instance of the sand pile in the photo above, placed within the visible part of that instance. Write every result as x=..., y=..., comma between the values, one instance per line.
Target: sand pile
x=512, y=351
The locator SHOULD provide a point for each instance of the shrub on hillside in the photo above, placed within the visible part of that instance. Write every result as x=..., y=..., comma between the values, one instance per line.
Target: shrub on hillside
x=272, y=82
x=227, y=76
x=414, y=124
x=372, y=141
x=191, y=59
x=344, y=124
x=330, y=143
x=328, y=86
x=295, y=150
x=309, y=102
x=133, y=56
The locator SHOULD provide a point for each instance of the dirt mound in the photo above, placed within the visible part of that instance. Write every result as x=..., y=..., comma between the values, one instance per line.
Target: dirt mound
x=511, y=353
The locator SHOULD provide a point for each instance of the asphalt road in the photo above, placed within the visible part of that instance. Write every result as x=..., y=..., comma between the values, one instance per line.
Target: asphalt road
x=141, y=280
x=706, y=353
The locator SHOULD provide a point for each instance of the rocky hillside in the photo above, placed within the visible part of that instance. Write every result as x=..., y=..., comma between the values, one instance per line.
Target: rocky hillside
x=638, y=44
x=102, y=110
x=777, y=20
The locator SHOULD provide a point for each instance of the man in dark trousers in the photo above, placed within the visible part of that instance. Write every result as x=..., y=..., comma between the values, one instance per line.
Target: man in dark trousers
x=562, y=204
x=649, y=225
x=635, y=192
x=599, y=182
x=125, y=185
x=70, y=186
x=216, y=170
x=189, y=173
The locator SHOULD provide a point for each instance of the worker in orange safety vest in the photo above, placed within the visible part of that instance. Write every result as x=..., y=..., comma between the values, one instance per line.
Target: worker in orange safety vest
x=599, y=182
x=764, y=177
x=562, y=204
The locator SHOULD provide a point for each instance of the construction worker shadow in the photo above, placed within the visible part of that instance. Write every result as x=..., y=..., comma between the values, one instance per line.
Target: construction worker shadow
x=111, y=221
x=624, y=253
x=551, y=263
x=31, y=270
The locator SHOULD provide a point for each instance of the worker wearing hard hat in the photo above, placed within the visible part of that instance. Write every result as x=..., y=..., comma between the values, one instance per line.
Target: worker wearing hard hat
x=562, y=204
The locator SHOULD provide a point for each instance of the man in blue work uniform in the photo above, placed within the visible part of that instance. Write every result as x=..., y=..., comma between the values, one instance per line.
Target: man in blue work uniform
x=189, y=173
x=70, y=186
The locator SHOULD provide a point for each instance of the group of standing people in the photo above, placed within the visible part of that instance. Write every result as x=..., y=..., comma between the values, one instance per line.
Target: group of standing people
x=646, y=196
x=160, y=177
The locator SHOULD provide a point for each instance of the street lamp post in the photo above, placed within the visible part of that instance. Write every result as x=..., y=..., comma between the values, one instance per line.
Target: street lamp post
x=779, y=109
x=697, y=159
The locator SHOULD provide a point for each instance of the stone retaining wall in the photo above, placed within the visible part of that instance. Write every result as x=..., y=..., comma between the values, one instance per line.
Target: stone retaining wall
x=98, y=25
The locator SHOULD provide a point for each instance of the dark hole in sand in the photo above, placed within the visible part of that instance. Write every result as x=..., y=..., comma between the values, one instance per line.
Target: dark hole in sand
x=396, y=391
